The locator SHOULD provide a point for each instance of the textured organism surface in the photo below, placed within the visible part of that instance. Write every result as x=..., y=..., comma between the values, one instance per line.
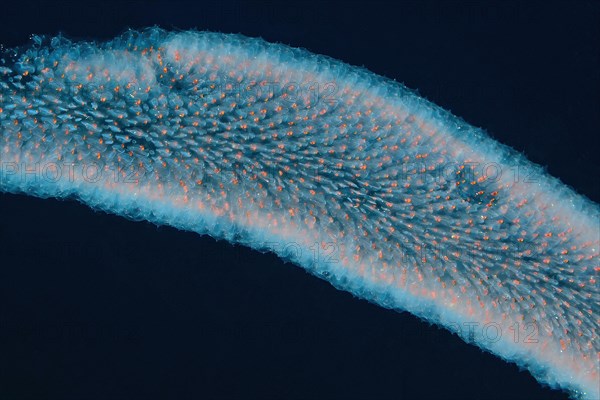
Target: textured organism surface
x=347, y=174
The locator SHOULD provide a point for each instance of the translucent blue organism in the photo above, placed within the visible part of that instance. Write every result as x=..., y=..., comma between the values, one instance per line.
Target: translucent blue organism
x=345, y=173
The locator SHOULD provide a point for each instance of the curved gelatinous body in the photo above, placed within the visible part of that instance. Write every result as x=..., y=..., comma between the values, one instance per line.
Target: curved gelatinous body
x=348, y=174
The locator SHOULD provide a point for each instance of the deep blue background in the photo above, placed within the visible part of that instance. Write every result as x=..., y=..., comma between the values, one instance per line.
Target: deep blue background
x=95, y=306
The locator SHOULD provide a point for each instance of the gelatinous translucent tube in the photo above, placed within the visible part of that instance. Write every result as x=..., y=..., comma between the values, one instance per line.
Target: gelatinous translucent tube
x=345, y=173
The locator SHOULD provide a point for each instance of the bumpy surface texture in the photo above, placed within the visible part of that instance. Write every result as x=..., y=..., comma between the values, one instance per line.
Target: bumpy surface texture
x=347, y=174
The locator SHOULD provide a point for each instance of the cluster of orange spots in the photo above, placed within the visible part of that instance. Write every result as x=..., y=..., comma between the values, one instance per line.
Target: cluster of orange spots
x=359, y=191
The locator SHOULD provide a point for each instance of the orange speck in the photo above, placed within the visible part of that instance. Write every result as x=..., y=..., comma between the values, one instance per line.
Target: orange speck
x=563, y=345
